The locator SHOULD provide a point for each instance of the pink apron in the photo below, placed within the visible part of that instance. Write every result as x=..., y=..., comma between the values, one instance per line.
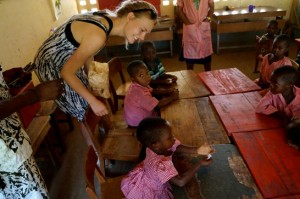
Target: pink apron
x=196, y=37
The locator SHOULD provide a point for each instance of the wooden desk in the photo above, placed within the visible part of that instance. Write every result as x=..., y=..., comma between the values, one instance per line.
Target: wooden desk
x=189, y=84
x=227, y=176
x=163, y=31
x=237, y=113
x=241, y=20
x=194, y=122
x=227, y=81
x=273, y=163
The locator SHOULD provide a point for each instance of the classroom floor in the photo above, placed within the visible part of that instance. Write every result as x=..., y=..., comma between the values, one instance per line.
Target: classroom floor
x=66, y=180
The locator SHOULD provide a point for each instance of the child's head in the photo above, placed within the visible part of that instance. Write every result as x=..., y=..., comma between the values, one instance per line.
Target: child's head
x=156, y=134
x=281, y=45
x=283, y=79
x=138, y=72
x=272, y=28
x=148, y=51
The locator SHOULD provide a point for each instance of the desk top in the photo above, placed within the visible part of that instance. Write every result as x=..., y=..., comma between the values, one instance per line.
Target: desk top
x=227, y=81
x=242, y=13
x=273, y=163
x=194, y=122
x=189, y=84
x=226, y=177
x=237, y=113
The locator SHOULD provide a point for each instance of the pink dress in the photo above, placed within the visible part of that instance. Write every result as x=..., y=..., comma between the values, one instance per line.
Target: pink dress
x=196, y=38
x=272, y=103
x=139, y=104
x=267, y=69
x=149, y=179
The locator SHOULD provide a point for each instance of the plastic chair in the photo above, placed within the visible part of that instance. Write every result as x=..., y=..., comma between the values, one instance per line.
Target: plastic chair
x=115, y=144
x=118, y=86
x=110, y=187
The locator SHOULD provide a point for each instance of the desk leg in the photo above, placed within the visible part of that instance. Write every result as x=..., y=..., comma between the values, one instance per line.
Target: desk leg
x=218, y=42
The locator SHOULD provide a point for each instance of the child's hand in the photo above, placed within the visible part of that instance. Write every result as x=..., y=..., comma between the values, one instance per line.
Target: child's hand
x=205, y=149
x=168, y=81
x=205, y=161
x=174, y=78
x=175, y=94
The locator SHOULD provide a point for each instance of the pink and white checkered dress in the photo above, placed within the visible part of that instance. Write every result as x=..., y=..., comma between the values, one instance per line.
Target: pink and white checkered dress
x=149, y=179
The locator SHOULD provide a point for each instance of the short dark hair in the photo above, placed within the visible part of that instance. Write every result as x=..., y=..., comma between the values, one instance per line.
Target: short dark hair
x=283, y=38
x=147, y=44
x=287, y=73
x=133, y=67
x=150, y=130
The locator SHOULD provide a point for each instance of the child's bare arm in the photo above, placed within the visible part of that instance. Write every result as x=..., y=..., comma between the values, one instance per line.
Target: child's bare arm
x=172, y=77
x=182, y=179
x=205, y=149
x=182, y=16
x=163, y=91
x=166, y=100
x=161, y=81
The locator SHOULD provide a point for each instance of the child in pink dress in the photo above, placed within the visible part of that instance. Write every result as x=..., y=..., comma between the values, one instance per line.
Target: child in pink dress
x=150, y=179
x=274, y=60
x=139, y=102
x=284, y=99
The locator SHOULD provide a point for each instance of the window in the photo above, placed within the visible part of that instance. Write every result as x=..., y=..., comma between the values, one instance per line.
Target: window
x=87, y=5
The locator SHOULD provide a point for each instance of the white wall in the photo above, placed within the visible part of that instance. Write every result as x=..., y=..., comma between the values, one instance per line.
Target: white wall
x=24, y=25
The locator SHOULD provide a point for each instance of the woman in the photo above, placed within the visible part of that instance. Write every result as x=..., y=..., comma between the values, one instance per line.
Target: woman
x=68, y=52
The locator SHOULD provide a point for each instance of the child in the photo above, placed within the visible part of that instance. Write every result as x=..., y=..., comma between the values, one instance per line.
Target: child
x=150, y=179
x=266, y=40
x=154, y=65
x=284, y=99
x=139, y=102
x=274, y=60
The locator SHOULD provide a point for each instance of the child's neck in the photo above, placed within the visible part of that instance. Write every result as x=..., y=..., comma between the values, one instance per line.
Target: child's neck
x=274, y=58
x=288, y=95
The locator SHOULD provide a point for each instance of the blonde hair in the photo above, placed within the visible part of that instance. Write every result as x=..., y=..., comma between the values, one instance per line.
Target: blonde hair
x=138, y=7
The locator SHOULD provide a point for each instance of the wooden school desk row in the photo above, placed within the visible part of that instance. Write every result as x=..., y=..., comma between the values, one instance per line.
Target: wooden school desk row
x=230, y=112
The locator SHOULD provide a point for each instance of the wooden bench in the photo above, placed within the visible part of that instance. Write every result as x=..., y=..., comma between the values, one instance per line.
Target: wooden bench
x=237, y=113
x=227, y=81
x=272, y=162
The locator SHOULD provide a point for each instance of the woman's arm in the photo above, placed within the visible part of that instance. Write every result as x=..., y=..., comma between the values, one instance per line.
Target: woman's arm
x=182, y=16
x=91, y=40
x=45, y=91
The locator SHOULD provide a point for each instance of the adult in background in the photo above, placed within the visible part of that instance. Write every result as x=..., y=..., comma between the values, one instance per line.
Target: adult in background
x=196, y=39
x=19, y=174
x=68, y=52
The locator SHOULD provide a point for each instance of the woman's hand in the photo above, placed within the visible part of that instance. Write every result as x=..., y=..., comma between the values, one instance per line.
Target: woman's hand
x=49, y=90
x=99, y=108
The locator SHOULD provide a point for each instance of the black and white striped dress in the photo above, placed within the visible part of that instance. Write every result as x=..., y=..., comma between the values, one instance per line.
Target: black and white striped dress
x=55, y=52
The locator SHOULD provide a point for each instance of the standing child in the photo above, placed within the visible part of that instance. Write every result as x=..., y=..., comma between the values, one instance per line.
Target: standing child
x=152, y=177
x=266, y=40
x=284, y=99
x=274, y=60
x=155, y=66
x=139, y=102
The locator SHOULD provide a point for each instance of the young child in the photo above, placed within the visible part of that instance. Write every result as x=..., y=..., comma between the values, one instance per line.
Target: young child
x=266, y=40
x=151, y=178
x=274, y=60
x=155, y=66
x=284, y=99
x=139, y=102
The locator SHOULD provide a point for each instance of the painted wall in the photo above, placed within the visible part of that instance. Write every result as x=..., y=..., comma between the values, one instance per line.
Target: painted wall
x=219, y=4
x=24, y=25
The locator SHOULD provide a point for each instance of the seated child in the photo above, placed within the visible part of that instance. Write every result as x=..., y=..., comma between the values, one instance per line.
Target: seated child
x=139, y=102
x=154, y=65
x=151, y=178
x=274, y=60
x=266, y=40
x=284, y=99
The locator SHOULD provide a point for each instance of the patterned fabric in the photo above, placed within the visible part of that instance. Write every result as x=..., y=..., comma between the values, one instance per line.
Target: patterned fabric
x=18, y=169
x=158, y=69
x=54, y=53
x=138, y=104
x=267, y=69
x=272, y=103
x=196, y=37
x=150, y=179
